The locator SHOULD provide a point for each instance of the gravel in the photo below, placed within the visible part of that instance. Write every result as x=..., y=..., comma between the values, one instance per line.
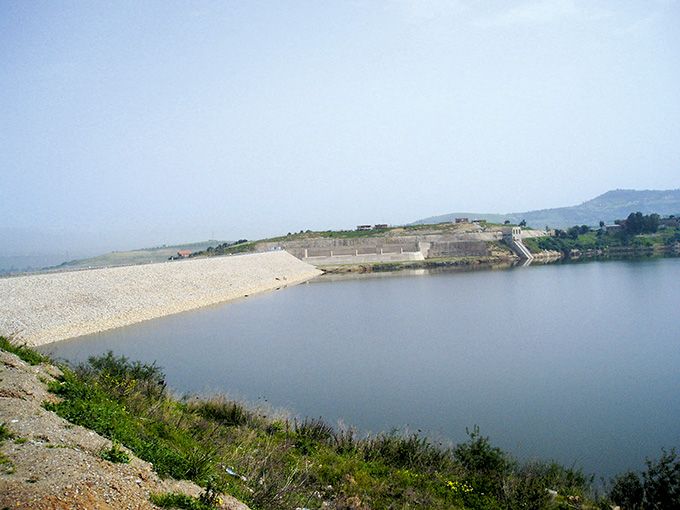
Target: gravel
x=45, y=308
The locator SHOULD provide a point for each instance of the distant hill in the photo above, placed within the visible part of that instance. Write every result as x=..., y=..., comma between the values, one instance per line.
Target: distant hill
x=610, y=206
x=142, y=256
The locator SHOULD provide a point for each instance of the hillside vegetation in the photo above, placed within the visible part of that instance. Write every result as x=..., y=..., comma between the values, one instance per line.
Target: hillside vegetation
x=637, y=234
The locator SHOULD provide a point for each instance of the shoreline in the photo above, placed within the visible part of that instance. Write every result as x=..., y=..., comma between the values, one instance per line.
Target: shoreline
x=464, y=264
x=47, y=308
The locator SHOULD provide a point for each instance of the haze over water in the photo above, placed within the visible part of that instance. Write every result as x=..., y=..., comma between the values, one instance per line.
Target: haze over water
x=575, y=362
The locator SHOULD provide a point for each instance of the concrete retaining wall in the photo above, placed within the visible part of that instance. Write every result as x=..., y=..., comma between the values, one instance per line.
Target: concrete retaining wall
x=390, y=248
x=368, y=258
x=458, y=249
x=323, y=246
x=460, y=245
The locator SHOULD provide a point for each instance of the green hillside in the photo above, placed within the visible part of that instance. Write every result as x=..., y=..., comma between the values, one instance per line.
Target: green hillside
x=612, y=205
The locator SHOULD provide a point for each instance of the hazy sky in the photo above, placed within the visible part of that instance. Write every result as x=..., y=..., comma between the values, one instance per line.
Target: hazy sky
x=137, y=123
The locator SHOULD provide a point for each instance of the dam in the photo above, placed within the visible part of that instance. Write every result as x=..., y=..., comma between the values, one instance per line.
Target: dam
x=44, y=308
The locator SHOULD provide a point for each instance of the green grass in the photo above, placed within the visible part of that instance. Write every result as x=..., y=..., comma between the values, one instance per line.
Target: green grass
x=30, y=356
x=117, y=408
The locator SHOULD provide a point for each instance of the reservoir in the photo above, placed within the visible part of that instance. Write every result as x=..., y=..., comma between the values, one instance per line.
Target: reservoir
x=578, y=363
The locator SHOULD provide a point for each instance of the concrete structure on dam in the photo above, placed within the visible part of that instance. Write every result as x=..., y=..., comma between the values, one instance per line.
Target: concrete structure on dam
x=512, y=236
x=400, y=247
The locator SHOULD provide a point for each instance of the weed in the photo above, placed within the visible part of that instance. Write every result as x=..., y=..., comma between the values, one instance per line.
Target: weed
x=5, y=433
x=346, y=441
x=115, y=454
x=6, y=465
x=409, y=452
x=121, y=376
x=30, y=356
x=211, y=495
x=178, y=500
x=485, y=465
x=230, y=414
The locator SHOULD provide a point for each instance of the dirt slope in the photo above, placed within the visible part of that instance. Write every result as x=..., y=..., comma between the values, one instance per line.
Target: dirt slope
x=53, y=464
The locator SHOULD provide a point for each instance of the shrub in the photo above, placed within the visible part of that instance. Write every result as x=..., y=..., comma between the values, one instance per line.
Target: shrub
x=658, y=488
x=486, y=466
x=407, y=452
x=661, y=481
x=314, y=429
x=627, y=491
x=120, y=375
x=528, y=485
x=224, y=412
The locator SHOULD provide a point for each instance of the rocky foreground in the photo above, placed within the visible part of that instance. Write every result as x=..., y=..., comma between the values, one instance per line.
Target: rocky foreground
x=49, y=463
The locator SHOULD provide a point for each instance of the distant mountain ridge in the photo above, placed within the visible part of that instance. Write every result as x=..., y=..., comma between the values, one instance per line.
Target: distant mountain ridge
x=610, y=206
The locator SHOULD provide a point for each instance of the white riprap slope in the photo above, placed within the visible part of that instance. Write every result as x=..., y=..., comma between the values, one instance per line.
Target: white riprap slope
x=44, y=308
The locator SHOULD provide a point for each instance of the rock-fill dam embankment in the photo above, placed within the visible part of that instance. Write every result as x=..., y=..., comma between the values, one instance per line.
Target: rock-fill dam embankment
x=43, y=308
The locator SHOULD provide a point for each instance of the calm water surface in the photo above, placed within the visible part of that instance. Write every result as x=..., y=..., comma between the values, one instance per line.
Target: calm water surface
x=578, y=362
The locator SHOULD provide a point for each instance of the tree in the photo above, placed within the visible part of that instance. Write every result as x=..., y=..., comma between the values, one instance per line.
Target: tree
x=574, y=231
x=662, y=481
x=638, y=223
x=659, y=486
x=523, y=223
x=634, y=223
x=651, y=223
x=627, y=491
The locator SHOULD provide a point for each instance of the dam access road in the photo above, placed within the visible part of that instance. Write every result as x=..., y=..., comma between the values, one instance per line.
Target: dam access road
x=43, y=308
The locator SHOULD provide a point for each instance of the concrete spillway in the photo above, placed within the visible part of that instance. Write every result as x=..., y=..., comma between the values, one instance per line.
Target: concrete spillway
x=513, y=238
